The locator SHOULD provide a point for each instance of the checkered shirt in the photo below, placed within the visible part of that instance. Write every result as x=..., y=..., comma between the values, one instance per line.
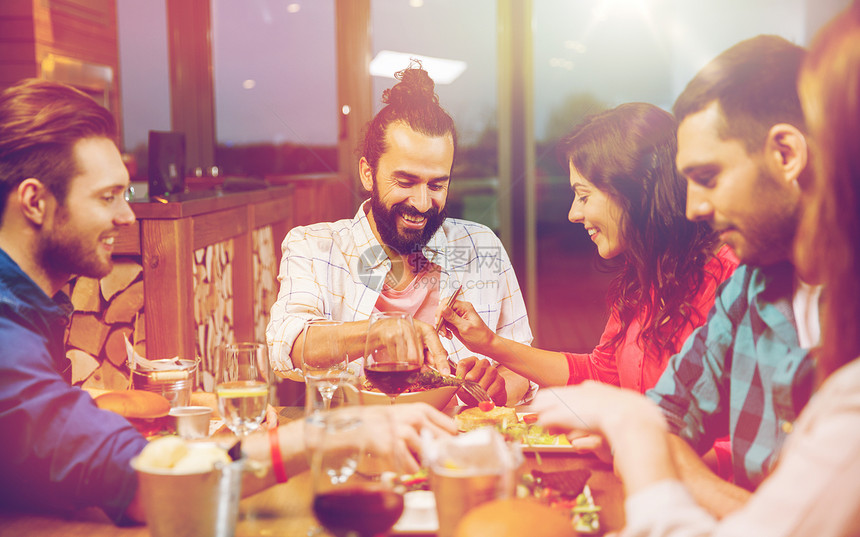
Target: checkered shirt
x=742, y=373
x=336, y=270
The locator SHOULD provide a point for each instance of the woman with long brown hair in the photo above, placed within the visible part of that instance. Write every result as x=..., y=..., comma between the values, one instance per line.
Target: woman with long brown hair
x=629, y=197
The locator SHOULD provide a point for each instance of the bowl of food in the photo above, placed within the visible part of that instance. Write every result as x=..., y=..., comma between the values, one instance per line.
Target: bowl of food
x=428, y=387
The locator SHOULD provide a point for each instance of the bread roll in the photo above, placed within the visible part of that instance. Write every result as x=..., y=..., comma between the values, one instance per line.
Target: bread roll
x=515, y=518
x=134, y=403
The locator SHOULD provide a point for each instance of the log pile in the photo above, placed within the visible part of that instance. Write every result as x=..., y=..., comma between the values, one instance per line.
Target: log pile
x=106, y=312
x=213, y=304
x=111, y=309
x=265, y=279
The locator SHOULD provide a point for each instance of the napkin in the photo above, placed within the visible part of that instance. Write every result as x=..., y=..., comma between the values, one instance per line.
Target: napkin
x=481, y=451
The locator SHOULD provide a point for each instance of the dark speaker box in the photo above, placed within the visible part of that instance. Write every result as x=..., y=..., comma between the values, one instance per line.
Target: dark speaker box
x=166, y=163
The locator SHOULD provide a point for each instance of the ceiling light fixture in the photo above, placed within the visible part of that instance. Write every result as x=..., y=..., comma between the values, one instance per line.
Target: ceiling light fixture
x=441, y=70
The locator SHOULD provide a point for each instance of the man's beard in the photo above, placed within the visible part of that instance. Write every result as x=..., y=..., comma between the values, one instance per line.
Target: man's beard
x=63, y=253
x=412, y=241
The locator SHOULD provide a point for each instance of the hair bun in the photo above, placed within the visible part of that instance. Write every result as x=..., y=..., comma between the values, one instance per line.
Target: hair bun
x=415, y=88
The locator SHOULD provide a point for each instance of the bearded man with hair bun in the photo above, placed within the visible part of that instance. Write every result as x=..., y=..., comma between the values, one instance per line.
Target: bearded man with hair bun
x=401, y=252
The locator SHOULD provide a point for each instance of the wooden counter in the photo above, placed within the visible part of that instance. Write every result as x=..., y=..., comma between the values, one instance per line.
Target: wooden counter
x=208, y=268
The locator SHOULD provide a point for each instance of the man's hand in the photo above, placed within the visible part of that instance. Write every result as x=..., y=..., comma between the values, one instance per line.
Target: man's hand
x=271, y=419
x=591, y=443
x=485, y=374
x=463, y=321
x=435, y=354
x=398, y=338
x=632, y=425
x=595, y=407
x=409, y=422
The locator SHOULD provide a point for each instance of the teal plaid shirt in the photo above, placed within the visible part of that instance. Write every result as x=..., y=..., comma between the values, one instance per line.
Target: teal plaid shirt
x=743, y=373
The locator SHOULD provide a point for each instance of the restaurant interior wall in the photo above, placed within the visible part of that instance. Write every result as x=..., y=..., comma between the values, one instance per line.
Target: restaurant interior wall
x=71, y=41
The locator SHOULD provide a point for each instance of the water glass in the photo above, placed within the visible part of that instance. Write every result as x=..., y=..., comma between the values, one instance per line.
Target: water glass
x=242, y=386
x=324, y=360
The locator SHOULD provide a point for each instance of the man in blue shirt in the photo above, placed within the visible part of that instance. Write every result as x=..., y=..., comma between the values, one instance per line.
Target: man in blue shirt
x=746, y=372
x=61, y=182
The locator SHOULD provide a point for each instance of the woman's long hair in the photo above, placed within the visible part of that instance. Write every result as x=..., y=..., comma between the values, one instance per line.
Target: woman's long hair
x=629, y=154
x=828, y=245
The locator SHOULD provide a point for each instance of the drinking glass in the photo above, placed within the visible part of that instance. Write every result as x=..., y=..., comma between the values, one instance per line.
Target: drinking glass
x=324, y=362
x=393, y=353
x=355, y=473
x=317, y=409
x=242, y=386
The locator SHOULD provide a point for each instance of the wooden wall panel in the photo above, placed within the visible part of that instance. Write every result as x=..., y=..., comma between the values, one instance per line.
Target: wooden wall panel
x=128, y=241
x=354, y=88
x=166, y=268
x=17, y=42
x=192, y=94
x=215, y=227
x=18, y=8
x=82, y=30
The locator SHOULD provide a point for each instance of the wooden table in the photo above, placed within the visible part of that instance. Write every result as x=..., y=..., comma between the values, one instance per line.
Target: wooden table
x=285, y=510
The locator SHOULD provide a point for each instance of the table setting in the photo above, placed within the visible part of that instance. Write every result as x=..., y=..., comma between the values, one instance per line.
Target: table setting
x=359, y=482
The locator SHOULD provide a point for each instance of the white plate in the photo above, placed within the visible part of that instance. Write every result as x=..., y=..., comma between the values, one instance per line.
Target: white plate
x=436, y=397
x=419, y=514
x=543, y=448
x=546, y=449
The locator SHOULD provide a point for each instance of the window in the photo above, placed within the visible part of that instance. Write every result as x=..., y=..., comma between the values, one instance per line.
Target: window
x=144, y=79
x=466, y=32
x=275, y=86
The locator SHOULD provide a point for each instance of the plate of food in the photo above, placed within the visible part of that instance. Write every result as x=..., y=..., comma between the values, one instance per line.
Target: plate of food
x=566, y=491
x=426, y=387
x=513, y=425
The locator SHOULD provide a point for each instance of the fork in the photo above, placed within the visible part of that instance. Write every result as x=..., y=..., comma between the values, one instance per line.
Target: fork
x=473, y=388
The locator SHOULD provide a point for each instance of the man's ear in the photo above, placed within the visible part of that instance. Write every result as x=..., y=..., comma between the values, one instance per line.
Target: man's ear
x=787, y=150
x=366, y=174
x=33, y=199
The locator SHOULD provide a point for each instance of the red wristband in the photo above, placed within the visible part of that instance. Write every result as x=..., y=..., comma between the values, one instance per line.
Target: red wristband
x=277, y=462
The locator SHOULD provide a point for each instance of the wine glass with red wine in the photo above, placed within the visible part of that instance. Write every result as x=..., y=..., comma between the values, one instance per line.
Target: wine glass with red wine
x=393, y=352
x=355, y=471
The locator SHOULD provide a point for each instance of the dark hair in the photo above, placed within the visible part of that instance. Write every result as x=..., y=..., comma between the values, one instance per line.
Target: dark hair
x=629, y=154
x=755, y=85
x=412, y=101
x=829, y=240
x=40, y=122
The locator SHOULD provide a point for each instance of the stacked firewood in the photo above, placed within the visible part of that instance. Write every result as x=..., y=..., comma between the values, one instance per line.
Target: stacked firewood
x=107, y=311
x=213, y=304
x=265, y=279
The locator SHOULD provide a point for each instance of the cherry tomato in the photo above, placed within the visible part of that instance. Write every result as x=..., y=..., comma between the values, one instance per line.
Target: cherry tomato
x=530, y=418
x=486, y=406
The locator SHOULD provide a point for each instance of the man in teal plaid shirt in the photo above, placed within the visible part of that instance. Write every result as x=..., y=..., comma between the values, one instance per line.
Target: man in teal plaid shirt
x=747, y=371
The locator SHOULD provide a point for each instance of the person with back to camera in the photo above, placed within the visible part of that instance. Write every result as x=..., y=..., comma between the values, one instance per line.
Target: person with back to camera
x=62, y=181
x=815, y=487
x=400, y=252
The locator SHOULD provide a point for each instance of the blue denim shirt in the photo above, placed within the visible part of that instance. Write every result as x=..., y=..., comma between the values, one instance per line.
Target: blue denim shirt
x=59, y=451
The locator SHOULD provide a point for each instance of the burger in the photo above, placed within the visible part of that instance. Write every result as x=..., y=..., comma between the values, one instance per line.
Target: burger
x=148, y=412
x=485, y=414
x=514, y=518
